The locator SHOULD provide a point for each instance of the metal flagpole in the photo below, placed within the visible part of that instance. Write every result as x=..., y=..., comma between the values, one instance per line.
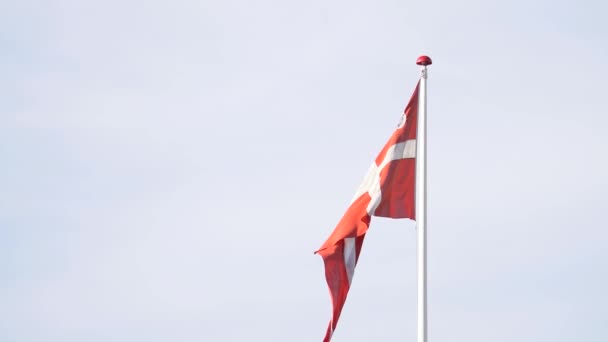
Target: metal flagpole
x=423, y=61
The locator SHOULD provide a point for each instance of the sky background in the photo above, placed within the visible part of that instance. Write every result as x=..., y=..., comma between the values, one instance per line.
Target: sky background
x=168, y=168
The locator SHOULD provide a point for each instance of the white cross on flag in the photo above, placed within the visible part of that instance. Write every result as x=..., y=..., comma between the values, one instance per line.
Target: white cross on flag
x=388, y=190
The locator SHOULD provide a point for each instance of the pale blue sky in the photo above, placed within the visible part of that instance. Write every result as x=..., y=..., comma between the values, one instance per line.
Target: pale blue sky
x=168, y=168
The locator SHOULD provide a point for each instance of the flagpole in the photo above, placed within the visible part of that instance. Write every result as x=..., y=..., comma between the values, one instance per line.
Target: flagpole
x=423, y=61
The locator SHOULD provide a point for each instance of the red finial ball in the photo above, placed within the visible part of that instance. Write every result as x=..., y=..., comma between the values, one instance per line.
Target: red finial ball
x=424, y=60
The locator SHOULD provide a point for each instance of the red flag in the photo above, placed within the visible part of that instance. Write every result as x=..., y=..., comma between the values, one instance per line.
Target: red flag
x=388, y=190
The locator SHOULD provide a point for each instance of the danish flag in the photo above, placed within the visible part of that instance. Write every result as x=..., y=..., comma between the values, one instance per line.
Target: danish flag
x=388, y=190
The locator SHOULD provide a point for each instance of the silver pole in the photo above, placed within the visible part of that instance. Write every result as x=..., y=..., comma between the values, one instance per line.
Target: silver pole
x=421, y=199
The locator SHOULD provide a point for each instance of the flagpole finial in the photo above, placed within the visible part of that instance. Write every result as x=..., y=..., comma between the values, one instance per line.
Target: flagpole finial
x=424, y=60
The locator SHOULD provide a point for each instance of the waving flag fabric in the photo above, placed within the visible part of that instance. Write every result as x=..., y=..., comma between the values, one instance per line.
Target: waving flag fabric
x=388, y=190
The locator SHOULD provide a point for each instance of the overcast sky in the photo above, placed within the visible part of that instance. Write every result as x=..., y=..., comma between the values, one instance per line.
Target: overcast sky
x=168, y=168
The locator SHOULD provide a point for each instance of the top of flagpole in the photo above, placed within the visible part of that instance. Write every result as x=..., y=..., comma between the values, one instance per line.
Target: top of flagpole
x=424, y=60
